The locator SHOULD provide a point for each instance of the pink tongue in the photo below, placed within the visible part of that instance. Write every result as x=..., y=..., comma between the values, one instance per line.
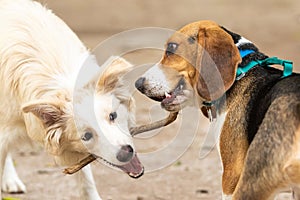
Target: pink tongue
x=133, y=168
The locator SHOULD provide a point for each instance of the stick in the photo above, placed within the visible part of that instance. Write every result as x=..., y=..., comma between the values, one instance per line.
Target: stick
x=75, y=168
x=158, y=124
x=134, y=131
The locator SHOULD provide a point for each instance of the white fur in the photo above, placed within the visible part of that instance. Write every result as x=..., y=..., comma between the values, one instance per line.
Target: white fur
x=156, y=78
x=226, y=197
x=243, y=41
x=11, y=181
x=213, y=135
x=218, y=126
x=40, y=58
x=88, y=190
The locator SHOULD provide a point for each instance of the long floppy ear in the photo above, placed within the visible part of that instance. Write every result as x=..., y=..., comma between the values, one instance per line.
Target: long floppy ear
x=115, y=68
x=48, y=113
x=51, y=116
x=217, y=62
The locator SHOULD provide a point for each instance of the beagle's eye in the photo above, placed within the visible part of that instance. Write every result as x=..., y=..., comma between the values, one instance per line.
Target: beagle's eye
x=171, y=48
x=87, y=136
x=113, y=116
x=192, y=39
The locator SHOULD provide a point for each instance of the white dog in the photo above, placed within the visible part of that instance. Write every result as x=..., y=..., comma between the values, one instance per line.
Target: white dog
x=40, y=58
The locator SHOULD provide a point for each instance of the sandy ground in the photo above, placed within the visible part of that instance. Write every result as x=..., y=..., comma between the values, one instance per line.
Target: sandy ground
x=273, y=25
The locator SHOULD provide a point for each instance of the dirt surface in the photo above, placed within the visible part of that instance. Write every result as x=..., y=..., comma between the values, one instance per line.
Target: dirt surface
x=274, y=25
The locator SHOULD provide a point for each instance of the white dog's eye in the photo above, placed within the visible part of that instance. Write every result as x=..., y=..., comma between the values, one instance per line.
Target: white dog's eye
x=113, y=116
x=87, y=136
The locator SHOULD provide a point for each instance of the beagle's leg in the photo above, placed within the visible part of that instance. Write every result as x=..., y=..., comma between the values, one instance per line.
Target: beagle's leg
x=11, y=183
x=233, y=150
x=232, y=169
x=262, y=175
x=270, y=165
x=86, y=183
x=271, y=152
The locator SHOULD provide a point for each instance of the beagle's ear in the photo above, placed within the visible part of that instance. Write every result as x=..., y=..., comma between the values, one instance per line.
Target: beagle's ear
x=217, y=62
x=48, y=113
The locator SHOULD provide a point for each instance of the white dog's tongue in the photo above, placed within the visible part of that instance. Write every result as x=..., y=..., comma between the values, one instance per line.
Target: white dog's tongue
x=133, y=168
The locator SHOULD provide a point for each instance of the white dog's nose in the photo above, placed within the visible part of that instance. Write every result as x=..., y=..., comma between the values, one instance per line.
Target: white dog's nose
x=125, y=153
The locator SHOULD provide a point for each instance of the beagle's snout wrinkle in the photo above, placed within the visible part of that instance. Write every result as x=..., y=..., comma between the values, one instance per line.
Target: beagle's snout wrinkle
x=125, y=154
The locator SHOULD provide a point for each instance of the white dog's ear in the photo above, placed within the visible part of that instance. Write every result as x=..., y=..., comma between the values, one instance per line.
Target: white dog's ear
x=51, y=116
x=115, y=68
x=48, y=113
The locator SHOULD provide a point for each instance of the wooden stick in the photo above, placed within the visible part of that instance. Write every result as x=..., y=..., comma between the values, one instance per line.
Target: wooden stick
x=134, y=131
x=75, y=168
x=158, y=124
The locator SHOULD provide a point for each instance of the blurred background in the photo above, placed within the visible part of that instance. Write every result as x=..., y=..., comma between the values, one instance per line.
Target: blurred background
x=273, y=25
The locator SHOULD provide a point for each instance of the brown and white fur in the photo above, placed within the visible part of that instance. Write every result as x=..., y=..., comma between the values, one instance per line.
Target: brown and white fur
x=40, y=59
x=259, y=140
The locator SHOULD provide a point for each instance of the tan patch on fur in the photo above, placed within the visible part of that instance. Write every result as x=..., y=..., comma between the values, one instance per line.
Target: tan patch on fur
x=233, y=165
x=49, y=113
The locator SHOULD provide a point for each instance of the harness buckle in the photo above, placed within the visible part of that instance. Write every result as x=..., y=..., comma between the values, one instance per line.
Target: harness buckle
x=211, y=111
x=239, y=77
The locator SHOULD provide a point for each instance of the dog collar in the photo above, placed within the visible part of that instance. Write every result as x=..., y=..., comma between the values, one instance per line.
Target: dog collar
x=241, y=71
x=245, y=52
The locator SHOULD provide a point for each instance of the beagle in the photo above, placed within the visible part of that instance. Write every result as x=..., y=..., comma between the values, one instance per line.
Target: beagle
x=259, y=140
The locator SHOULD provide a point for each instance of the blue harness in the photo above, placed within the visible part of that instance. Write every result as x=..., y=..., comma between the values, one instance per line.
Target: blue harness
x=241, y=71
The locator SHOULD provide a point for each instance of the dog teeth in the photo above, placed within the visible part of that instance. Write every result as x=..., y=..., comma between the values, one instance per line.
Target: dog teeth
x=167, y=95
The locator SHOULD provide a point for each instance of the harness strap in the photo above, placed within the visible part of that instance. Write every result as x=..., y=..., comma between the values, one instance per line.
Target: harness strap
x=241, y=71
x=287, y=66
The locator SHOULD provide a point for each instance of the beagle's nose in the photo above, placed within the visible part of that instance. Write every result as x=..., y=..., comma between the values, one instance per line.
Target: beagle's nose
x=125, y=153
x=139, y=84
